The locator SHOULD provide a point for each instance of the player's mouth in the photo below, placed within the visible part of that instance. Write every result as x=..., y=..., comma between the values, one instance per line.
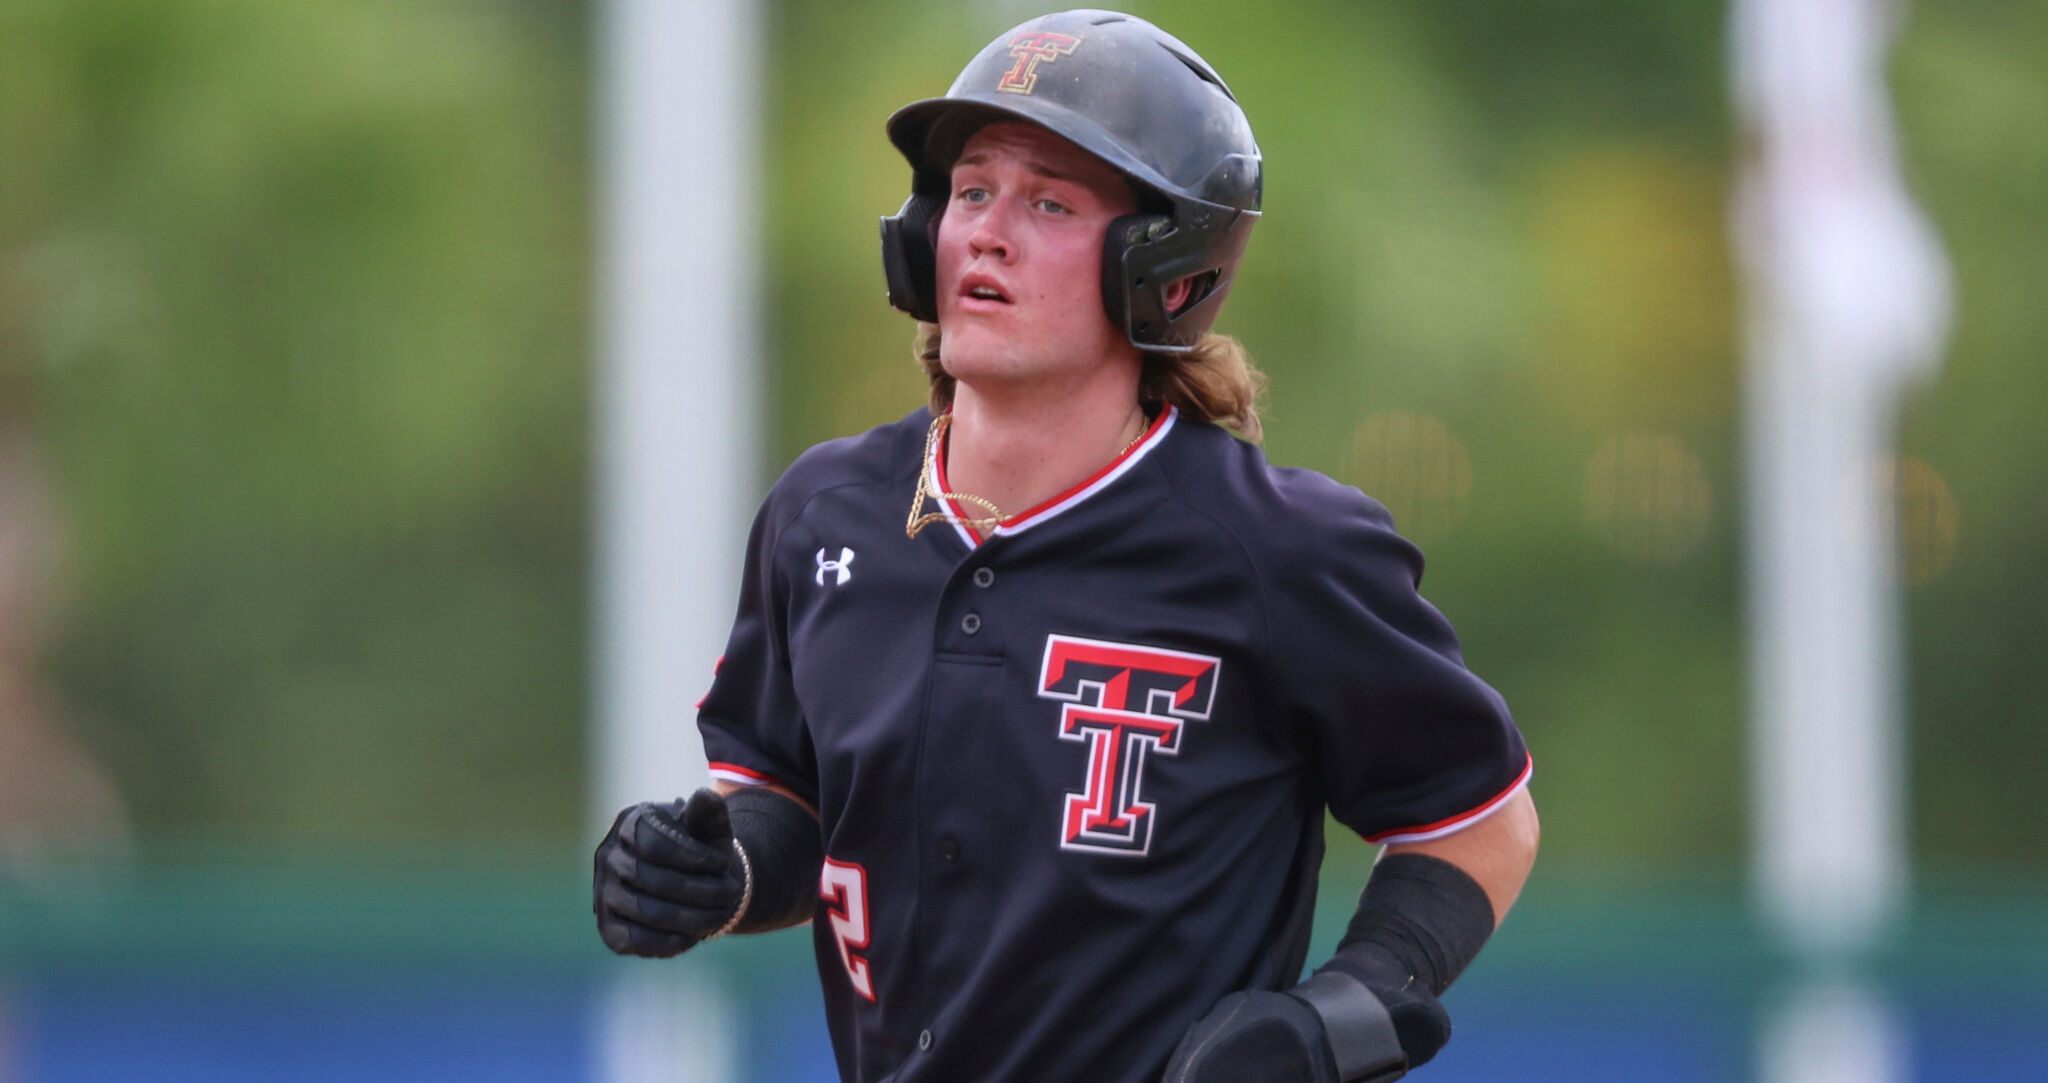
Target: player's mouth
x=979, y=287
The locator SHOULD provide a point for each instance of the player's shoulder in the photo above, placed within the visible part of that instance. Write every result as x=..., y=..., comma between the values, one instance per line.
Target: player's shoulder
x=1233, y=480
x=1290, y=520
x=885, y=456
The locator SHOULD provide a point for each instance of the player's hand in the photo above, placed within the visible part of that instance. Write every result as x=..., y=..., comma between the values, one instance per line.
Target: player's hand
x=1255, y=1037
x=666, y=876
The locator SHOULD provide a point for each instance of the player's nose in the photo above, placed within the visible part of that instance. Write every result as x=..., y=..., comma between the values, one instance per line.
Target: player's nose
x=991, y=233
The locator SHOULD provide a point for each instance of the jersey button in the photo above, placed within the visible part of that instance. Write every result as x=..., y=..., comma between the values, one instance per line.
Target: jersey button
x=924, y=1040
x=971, y=623
x=949, y=850
x=984, y=577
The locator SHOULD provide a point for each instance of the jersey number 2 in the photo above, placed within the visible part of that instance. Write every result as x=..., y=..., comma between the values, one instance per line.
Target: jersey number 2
x=844, y=887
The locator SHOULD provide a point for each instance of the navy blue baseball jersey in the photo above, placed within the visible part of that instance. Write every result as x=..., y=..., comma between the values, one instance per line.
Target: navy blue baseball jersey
x=1071, y=775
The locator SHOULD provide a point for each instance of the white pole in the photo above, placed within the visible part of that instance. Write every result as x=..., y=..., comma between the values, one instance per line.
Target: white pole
x=1847, y=299
x=1831, y=1032
x=677, y=440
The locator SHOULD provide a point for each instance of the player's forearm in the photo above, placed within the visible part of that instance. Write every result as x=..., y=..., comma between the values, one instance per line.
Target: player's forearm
x=776, y=834
x=1496, y=852
x=1372, y=1012
x=1425, y=914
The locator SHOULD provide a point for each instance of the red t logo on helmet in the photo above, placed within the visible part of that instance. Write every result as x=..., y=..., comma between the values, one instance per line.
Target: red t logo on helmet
x=1126, y=702
x=1029, y=49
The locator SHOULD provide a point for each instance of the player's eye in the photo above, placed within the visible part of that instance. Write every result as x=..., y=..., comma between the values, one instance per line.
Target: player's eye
x=1052, y=206
x=972, y=195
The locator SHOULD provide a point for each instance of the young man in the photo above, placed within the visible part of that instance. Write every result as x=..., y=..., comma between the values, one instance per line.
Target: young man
x=1048, y=765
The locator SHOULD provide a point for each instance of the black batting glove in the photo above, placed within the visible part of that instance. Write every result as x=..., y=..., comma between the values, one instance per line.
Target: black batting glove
x=1256, y=1037
x=666, y=877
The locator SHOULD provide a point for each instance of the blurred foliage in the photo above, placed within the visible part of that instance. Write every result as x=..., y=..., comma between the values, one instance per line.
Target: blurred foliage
x=294, y=299
x=294, y=302
x=1973, y=108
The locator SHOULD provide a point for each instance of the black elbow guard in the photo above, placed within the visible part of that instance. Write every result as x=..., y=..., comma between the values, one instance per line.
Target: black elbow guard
x=784, y=851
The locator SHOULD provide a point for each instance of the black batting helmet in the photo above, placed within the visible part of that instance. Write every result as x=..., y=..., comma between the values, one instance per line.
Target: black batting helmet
x=1135, y=97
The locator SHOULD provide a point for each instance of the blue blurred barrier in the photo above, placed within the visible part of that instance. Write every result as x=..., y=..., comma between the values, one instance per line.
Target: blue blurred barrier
x=185, y=966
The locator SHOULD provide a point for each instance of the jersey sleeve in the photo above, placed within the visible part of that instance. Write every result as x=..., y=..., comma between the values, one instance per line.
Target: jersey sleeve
x=753, y=727
x=1408, y=743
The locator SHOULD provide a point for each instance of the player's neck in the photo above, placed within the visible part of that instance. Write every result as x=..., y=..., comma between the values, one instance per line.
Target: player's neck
x=1018, y=451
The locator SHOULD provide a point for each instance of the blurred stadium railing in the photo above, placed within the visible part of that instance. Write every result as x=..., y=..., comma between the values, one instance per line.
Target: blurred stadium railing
x=206, y=963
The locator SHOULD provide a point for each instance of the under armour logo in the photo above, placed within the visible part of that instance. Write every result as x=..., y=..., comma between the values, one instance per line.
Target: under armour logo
x=1029, y=49
x=837, y=566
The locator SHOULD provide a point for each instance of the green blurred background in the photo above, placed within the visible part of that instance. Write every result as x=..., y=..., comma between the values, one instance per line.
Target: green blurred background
x=295, y=438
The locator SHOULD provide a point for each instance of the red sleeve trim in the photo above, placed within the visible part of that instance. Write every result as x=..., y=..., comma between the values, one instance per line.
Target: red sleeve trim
x=1461, y=821
x=714, y=676
x=745, y=776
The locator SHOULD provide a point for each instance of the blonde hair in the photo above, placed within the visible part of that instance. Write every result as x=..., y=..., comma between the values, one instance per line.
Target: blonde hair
x=1216, y=381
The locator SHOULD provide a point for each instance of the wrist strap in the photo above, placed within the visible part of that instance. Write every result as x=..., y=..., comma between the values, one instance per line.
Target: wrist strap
x=1361, y=1033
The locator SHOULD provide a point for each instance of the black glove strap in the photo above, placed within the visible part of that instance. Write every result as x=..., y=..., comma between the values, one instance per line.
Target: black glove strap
x=1361, y=1032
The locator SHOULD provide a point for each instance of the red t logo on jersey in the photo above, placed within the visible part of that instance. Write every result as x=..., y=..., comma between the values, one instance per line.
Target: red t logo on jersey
x=1126, y=702
x=1029, y=49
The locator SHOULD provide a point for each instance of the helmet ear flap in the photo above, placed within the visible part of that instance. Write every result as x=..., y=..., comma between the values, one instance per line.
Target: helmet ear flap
x=1135, y=302
x=910, y=255
x=1144, y=254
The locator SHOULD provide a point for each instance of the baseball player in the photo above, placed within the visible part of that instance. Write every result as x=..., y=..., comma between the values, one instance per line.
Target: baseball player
x=1035, y=699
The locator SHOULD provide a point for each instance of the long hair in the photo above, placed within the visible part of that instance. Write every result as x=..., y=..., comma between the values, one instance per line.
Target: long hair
x=1216, y=381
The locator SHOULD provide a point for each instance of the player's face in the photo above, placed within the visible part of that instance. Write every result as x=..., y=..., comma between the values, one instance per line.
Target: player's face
x=1020, y=259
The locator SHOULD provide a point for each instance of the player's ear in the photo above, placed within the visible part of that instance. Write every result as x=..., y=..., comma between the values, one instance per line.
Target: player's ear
x=1177, y=294
x=1187, y=292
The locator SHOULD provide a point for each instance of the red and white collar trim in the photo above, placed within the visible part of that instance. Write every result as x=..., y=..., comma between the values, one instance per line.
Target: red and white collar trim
x=1100, y=480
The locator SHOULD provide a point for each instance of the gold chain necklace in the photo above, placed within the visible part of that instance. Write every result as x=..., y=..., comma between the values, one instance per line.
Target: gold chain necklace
x=927, y=486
